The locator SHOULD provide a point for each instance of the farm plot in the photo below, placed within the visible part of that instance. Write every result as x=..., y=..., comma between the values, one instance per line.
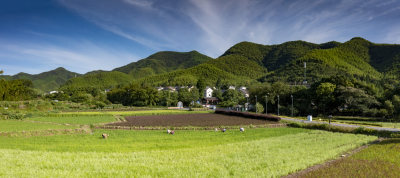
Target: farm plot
x=261, y=152
x=196, y=120
x=19, y=126
x=378, y=160
x=81, y=120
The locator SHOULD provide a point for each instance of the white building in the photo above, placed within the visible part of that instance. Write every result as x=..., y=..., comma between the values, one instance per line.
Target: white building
x=244, y=91
x=232, y=88
x=208, y=92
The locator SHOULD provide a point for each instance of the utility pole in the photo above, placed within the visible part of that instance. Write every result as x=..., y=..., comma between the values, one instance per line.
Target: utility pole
x=278, y=105
x=292, y=104
x=305, y=73
x=256, y=104
x=266, y=103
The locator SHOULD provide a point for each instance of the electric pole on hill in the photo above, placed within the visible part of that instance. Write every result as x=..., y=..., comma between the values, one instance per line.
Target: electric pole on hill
x=305, y=73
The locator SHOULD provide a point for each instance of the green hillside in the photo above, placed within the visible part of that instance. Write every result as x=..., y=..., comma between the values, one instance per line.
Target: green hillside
x=162, y=62
x=46, y=81
x=243, y=63
x=101, y=80
x=351, y=58
x=251, y=62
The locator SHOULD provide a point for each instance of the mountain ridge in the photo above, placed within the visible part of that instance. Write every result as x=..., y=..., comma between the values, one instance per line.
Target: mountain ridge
x=248, y=62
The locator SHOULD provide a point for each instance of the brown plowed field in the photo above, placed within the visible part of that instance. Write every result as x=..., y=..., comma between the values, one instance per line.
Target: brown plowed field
x=197, y=120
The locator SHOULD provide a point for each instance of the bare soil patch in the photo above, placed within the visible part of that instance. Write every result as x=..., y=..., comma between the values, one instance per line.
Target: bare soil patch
x=195, y=120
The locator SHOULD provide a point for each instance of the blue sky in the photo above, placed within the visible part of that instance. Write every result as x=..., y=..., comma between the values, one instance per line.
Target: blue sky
x=85, y=35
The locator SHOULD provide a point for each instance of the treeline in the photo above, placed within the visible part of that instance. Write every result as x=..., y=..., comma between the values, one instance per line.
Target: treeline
x=16, y=90
x=92, y=96
x=336, y=95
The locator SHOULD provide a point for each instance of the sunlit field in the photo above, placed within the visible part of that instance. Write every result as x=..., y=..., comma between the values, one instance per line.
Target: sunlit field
x=263, y=152
x=378, y=160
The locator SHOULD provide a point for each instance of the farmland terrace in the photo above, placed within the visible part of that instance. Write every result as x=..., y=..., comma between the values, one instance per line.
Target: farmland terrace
x=196, y=120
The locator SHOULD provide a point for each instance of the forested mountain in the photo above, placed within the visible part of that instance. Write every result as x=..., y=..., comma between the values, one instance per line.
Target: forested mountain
x=242, y=64
x=162, y=62
x=45, y=81
x=249, y=62
x=158, y=63
x=101, y=80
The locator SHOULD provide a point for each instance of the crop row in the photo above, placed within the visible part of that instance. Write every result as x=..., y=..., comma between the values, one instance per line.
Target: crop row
x=249, y=115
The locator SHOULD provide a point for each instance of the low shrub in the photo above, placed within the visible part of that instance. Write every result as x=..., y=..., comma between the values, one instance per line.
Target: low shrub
x=13, y=115
x=248, y=115
x=198, y=109
x=358, y=130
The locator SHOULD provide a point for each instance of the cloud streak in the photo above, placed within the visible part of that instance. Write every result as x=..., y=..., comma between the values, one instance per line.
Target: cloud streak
x=85, y=56
x=213, y=26
x=85, y=35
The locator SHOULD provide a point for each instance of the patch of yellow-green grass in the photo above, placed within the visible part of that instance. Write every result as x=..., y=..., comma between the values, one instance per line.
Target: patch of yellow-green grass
x=18, y=126
x=378, y=160
x=135, y=113
x=253, y=153
x=81, y=120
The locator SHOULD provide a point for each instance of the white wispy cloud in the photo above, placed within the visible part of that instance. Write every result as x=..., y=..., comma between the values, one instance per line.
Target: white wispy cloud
x=83, y=57
x=213, y=26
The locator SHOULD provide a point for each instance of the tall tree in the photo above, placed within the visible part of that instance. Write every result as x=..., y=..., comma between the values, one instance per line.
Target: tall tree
x=325, y=94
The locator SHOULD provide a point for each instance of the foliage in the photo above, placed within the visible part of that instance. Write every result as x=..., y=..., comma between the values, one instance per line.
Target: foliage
x=232, y=96
x=187, y=97
x=167, y=98
x=100, y=80
x=162, y=62
x=134, y=95
x=357, y=130
x=260, y=108
x=46, y=81
x=16, y=90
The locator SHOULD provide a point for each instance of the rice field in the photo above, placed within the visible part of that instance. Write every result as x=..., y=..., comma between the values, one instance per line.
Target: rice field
x=378, y=160
x=79, y=120
x=136, y=113
x=21, y=126
x=259, y=152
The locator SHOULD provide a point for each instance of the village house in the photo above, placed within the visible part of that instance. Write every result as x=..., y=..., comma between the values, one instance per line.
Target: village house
x=208, y=99
x=244, y=91
x=208, y=92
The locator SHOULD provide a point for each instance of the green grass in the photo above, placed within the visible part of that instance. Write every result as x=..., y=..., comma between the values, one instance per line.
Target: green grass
x=136, y=113
x=353, y=121
x=378, y=160
x=17, y=126
x=253, y=153
x=81, y=120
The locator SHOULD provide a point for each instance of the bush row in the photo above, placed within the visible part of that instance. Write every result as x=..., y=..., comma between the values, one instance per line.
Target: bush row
x=359, y=130
x=248, y=115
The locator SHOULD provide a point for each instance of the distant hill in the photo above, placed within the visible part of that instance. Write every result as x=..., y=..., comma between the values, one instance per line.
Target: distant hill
x=162, y=62
x=102, y=80
x=243, y=63
x=158, y=63
x=46, y=81
x=250, y=62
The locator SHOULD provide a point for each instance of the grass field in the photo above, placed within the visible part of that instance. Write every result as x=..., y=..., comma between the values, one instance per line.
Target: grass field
x=378, y=160
x=136, y=113
x=363, y=121
x=80, y=120
x=18, y=126
x=253, y=153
